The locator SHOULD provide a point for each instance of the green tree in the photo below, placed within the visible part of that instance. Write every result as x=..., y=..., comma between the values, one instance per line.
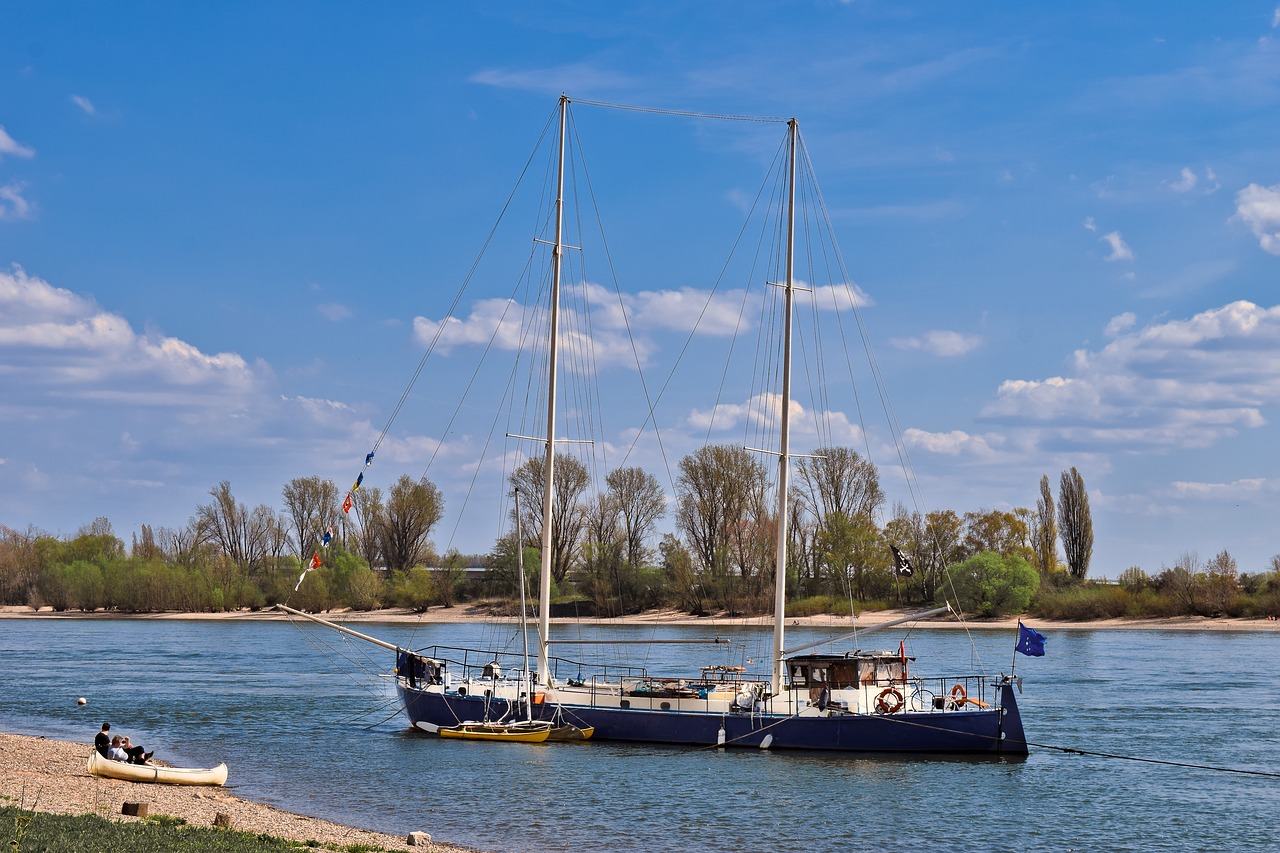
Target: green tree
x=1222, y=583
x=448, y=576
x=988, y=584
x=856, y=556
x=1003, y=532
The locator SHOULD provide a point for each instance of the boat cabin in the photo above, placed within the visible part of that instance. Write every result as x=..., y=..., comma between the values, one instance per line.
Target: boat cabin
x=850, y=670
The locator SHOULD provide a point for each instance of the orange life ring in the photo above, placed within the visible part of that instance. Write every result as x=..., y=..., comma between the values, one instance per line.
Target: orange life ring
x=958, y=694
x=887, y=696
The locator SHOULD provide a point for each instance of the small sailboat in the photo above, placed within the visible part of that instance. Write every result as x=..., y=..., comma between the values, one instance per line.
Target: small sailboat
x=105, y=767
x=861, y=700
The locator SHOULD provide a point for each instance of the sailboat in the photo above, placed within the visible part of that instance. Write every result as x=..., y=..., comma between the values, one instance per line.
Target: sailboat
x=854, y=701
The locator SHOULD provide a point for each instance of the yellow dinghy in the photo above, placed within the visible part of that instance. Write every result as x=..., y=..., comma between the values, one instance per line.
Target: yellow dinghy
x=99, y=766
x=512, y=732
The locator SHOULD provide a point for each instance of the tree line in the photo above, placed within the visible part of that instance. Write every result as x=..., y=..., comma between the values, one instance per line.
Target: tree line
x=609, y=556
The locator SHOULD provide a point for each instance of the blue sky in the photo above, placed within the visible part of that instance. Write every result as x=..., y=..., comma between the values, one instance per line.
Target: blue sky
x=223, y=229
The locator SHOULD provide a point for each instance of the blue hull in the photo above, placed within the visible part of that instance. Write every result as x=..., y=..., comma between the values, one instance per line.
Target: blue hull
x=992, y=731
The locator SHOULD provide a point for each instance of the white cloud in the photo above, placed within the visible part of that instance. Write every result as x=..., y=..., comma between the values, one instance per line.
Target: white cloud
x=941, y=343
x=1120, y=250
x=836, y=297
x=1212, y=178
x=1222, y=492
x=1186, y=183
x=334, y=311
x=1183, y=383
x=1275, y=18
x=1120, y=323
x=953, y=443
x=676, y=310
x=763, y=410
x=85, y=104
x=1089, y=224
x=1259, y=208
x=12, y=204
x=10, y=146
x=61, y=344
x=507, y=325
x=575, y=77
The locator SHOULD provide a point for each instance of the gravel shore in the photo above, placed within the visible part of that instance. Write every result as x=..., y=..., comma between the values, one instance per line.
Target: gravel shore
x=49, y=776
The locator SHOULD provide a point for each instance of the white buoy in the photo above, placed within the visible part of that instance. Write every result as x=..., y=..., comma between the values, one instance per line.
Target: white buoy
x=720, y=737
x=82, y=701
x=767, y=742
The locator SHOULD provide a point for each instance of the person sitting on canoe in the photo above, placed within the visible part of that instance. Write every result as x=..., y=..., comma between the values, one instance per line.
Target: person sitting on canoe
x=116, y=752
x=136, y=754
x=102, y=741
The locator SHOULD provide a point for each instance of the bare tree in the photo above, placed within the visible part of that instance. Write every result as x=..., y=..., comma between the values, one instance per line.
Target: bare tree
x=1075, y=522
x=603, y=550
x=368, y=508
x=638, y=499
x=722, y=514
x=21, y=561
x=570, y=481
x=839, y=479
x=241, y=535
x=413, y=508
x=1046, y=529
x=311, y=504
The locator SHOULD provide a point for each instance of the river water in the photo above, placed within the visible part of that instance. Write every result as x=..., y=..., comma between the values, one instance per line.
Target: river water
x=306, y=723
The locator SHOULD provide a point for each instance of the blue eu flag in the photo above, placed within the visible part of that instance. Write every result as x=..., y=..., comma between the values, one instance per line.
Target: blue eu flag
x=1030, y=641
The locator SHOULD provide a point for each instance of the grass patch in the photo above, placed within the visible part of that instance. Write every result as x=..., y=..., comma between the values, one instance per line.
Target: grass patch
x=27, y=832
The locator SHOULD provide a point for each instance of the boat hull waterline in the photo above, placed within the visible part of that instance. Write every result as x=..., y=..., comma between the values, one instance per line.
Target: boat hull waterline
x=986, y=731
x=105, y=767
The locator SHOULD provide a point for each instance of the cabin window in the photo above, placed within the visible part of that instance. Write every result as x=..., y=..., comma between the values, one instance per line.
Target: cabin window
x=666, y=706
x=799, y=675
x=625, y=703
x=866, y=672
x=844, y=675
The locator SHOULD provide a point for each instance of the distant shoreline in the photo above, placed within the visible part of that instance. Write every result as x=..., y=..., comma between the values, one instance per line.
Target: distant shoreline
x=867, y=619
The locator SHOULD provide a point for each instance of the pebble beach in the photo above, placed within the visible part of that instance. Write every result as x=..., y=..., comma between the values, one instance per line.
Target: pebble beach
x=49, y=776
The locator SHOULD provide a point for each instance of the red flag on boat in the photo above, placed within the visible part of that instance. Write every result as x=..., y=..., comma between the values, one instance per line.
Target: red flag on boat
x=315, y=562
x=346, y=504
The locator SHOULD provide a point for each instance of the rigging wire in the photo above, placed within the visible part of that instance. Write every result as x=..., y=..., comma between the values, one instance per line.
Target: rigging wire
x=686, y=113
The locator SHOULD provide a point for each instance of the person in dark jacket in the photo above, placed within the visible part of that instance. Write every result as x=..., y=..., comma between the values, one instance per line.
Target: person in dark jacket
x=103, y=740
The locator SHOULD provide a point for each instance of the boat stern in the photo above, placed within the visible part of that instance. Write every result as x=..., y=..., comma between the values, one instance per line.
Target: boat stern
x=1013, y=740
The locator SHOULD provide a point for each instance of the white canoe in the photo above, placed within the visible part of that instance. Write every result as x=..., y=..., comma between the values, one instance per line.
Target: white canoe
x=99, y=766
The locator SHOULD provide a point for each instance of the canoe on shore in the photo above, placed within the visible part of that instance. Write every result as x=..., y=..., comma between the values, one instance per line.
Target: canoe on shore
x=99, y=766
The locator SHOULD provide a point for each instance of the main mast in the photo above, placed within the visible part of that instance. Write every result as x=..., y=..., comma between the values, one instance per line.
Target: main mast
x=549, y=457
x=784, y=451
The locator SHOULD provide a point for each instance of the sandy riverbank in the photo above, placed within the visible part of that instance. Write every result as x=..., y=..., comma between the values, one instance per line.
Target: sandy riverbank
x=464, y=613
x=49, y=776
